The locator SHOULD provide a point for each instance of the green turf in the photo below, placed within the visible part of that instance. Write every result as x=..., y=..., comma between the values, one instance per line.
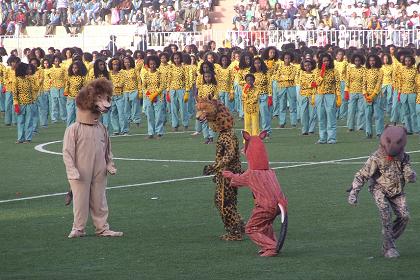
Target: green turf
x=176, y=235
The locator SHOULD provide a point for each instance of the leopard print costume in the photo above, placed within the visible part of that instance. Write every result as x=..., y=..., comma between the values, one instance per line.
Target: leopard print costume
x=227, y=158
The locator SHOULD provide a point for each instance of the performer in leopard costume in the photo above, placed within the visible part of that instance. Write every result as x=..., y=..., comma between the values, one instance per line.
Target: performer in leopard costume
x=227, y=158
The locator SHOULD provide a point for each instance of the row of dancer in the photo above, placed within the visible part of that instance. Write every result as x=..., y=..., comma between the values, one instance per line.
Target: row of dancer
x=311, y=85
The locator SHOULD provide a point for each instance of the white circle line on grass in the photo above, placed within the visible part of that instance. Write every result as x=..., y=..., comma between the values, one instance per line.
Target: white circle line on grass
x=41, y=148
x=189, y=178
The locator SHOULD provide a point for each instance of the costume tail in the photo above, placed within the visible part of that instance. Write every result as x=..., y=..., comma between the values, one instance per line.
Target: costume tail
x=283, y=230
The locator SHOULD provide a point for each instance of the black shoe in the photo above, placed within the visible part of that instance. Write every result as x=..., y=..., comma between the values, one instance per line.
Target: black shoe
x=281, y=126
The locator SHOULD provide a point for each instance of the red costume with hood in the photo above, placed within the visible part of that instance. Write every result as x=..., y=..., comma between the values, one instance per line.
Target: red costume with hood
x=269, y=200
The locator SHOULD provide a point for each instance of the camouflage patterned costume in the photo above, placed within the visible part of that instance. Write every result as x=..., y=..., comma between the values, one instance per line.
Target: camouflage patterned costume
x=386, y=176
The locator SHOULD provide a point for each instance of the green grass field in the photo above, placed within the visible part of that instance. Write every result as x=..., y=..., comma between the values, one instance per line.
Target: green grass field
x=175, y=234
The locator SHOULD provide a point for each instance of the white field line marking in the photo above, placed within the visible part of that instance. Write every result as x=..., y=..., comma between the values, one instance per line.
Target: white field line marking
x=41, y=148
x=190, y=178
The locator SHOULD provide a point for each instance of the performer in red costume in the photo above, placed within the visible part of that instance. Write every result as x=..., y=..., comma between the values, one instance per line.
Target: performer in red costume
x=269, y=200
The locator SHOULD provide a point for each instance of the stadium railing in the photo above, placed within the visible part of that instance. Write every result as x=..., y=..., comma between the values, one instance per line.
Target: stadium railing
x=127, y=38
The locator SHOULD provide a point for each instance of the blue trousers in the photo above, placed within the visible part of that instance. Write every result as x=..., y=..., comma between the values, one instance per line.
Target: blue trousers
x=396, y=108
x=106, y=120
x=191, y=103
x=204, y=127
x=238, y=101
x=166, y=108
x=119, y=121
x=387, y=98
x=224, y=98
x=408, y=107
x=178, y=105
x=35, y=117
x=71, y=111
x=297, y=103
x=154, y=111
x=281, y=98
x=342, y=111
x=418, y=115
x=132, y=106
x=43, y=108
x=307, y=114
x=24, y=123
x=326, y=110
x=2, y=100
x=265, y=115
x=356, y=110
x=9, y=112
x=375, y=110
x=58, y=104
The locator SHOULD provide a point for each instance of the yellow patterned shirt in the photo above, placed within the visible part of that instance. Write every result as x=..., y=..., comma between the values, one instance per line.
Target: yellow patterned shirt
x=234, y=66
x=271, y=65
x=224, y=78
x=46, y=81
x=305, y=82
x=285, y=76
x=241, y=74
x=164, y=70
x=73, y=85
x=10, y=79
x=58, y=76
x=250, y=100
x=132, y=78
x=22, y=93
x=191, y=74
x=261, y=83
x=118, y=81
x=2, y=73
x=372, y=82
x=388, y=71
x=37, y=81
x=205, y=89
x=330, y=84
x=178, y=78
x=418, y=88
x=152, y=82
x=354, y=79
x=397, y=72
x=407, y=80
x=341, y=67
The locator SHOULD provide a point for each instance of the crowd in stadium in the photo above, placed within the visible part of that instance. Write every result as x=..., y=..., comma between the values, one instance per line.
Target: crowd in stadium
x=188, y=15
x=326, y=14
x=158, y=15
x=311, y=85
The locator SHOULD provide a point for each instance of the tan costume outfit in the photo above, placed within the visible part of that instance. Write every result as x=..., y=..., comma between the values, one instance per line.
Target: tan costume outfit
x=87, y=157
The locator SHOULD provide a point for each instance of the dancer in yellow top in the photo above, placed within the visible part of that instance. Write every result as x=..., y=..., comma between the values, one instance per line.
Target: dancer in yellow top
x=354, y=93
x=265, y=97
x=372, y=84
x=57, y=99
x=251, y=111
x=23, y=102
x=76, y=79
x=153, y=86
x=327, y=99
x=307, y=83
